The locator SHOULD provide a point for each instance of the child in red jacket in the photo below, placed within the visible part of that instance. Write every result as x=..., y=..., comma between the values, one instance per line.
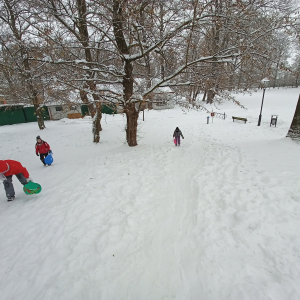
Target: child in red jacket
x=43, y=148
x=8, y=168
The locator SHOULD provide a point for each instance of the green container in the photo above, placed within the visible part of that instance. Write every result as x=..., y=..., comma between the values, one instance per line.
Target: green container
x=31, y=115
x=109, y=109
x=106, y=109
x=84, y=110
x=17, y=114
x=10, y=115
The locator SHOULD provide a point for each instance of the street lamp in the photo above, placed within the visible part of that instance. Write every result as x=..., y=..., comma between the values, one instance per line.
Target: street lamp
x=265, y=83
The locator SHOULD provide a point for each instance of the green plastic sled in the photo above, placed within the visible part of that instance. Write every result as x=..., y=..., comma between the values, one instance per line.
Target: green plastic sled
x=32, y=188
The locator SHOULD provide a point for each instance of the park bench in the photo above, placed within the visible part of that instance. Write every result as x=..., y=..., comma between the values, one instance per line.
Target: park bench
x=241, y=119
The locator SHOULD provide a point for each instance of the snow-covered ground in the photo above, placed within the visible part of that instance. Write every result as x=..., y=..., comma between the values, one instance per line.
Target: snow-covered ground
x=217, y=218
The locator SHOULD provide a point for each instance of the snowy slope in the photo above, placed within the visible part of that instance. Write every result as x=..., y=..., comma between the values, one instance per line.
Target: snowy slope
x=217, y=218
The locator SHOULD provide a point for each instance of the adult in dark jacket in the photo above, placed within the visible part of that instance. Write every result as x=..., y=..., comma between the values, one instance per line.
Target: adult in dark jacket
x=8, y=168
x=176, y=135
x=43, y=148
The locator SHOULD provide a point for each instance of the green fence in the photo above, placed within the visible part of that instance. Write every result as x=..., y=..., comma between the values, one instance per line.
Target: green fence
x=109, y=109
x=17, y=114
x=84, y=110
x=31, y=116
x=10, y=115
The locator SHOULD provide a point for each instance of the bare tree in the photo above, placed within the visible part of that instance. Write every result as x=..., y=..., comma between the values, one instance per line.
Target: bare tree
x=72, y=16
x=123, y=51
x=294, y=131
x=15, y=18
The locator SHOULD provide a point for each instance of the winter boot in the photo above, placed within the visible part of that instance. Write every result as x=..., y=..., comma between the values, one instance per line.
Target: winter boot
x=10, y=198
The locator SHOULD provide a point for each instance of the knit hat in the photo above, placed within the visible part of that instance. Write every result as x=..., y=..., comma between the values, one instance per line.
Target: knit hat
x=3, y=166
x=38, y=138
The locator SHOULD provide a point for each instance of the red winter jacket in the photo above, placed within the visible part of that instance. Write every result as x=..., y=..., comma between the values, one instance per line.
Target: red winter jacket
x=42, y=148
x=14, y=167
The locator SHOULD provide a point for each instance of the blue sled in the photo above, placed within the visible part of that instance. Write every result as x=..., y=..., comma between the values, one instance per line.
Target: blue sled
x=48, y=159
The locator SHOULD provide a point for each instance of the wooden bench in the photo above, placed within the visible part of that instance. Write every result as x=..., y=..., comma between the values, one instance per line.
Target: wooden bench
x=241, y=119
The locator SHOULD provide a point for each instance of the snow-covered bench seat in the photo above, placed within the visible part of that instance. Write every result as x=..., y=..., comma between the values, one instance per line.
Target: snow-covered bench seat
x=241, y=119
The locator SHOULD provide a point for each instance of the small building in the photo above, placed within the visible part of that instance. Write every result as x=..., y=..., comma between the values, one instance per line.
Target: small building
x=163, y=98
x=59, y=111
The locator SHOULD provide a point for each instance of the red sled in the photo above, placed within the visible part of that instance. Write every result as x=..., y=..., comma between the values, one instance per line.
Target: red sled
x=174, y=141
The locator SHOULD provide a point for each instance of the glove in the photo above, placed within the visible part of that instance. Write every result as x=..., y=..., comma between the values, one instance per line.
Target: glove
x=37, y=154
x=50, y=152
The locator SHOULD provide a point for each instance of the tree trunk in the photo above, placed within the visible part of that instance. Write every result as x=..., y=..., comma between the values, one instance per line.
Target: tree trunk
x=213, y=82
x=39, y=116
x=84, y=99
x=204, y=96
x=127, y=82
x=195, y=93
x=294, y=132
x=131, y=112
x=147, y=56
x=96, y=123
x=35, y=100
x=161, y=32
x=150, y=103
x=190, y=94
x=131, y=128
x=84, y=39
x=276, y=72
x=210, y=96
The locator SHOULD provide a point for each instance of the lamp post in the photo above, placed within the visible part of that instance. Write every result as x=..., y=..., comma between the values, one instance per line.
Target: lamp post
x=265, y=83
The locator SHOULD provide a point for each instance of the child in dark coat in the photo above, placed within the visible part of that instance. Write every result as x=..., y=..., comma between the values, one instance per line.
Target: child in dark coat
x=43, y=148
x=176, y=135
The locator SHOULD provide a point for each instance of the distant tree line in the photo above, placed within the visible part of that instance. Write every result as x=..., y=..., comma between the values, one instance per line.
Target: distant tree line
x=123, y=51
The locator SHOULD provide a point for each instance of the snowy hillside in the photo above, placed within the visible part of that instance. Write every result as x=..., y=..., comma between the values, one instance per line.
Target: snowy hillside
x=217, y=218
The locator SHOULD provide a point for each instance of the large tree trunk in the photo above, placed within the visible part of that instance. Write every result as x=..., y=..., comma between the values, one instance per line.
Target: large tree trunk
x=129, y=107
x=294, y=132
x=84, y=39
x=213, y=82
x=131, y=128
x=131, y=112
x=96, y=123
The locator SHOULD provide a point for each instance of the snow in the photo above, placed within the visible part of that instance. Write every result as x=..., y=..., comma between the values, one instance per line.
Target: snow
x=217, y=218
x=79, y=61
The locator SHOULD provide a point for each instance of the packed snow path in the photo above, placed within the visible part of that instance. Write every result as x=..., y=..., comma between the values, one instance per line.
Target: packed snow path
x=216, y=218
